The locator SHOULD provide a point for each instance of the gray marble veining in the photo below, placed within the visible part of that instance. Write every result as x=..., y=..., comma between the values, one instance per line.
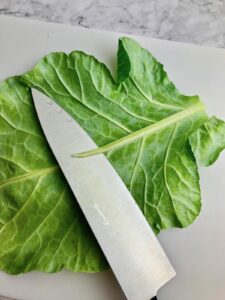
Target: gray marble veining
x=193, y=21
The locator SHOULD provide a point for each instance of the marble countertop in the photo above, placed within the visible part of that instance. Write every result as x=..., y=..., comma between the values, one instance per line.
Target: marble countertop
x=193, y=21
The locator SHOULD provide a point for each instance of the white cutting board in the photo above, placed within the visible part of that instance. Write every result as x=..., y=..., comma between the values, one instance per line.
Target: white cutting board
x=198, y=252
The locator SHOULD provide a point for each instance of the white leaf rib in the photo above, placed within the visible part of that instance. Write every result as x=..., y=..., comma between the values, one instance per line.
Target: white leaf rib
x=146, y=131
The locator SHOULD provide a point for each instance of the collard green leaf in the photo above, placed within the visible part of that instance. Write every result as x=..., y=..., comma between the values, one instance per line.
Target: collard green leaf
x=142, y=123
x=41, y=225
x=208, y=141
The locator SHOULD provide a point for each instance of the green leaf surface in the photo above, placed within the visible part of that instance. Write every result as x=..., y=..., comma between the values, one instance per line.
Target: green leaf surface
x=142, y=123
x=41, y=225
x=208, y=141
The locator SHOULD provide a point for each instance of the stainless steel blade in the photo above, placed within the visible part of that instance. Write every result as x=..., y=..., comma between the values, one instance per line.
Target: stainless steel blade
x=129, y=244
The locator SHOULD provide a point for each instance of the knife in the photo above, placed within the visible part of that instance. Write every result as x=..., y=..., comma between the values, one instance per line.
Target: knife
x=128, y=242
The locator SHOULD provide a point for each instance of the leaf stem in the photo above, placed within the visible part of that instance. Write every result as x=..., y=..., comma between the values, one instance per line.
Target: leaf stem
x=151, y=129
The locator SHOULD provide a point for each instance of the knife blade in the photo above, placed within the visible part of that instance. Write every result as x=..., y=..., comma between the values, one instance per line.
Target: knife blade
x=128, y=242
